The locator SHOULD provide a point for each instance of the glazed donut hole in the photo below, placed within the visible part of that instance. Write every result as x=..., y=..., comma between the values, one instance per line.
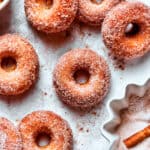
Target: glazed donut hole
x=132, y=29
x=8, y=63
x=81, y=76
x=42, y=138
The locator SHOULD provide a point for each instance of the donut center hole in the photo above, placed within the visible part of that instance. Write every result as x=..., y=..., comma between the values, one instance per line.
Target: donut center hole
x=81, y=76
x=43, y=139
x=132, y=29
x=47, y=3
x=96, y=1
x=8, y=64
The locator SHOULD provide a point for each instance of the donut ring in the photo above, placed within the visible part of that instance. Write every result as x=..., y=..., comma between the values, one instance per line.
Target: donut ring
x=10, y=138
x=18, y=78
x=92, y=12
x=49, y=123
x=51, y=16
x=87, y=95
x=113, y=30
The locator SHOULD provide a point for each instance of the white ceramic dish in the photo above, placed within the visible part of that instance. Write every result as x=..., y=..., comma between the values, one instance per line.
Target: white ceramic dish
x=3, y=4
x=114, y=108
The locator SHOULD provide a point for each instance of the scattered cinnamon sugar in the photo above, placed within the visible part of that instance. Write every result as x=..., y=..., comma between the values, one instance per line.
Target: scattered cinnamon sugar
x=45, y=93
x=94, y=113
x=87, y=46
x=117, y=62
x=17, y=120
x=81, y=129
x=89, y=34
x=81, y=25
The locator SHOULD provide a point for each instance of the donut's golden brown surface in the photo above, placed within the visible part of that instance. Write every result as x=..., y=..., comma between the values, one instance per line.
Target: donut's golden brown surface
x=87, y=95
x=123, y=45
x=18, y=65
x=93, y=12
x=10, y=138
x=45, y=122
x=51, y=16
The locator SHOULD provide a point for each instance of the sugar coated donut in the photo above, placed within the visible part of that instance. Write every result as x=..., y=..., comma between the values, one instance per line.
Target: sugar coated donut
x=126, y=30
x=81, y=78
x=18, y=65
x=51, y=16
x=10, y=138
x=49, y=124
x=93, y=12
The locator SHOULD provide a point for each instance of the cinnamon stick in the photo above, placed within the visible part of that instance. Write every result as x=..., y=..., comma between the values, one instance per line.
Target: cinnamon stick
x=137, y=137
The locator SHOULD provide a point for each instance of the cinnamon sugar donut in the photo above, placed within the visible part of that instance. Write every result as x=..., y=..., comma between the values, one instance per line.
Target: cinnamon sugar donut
x=76, y=63
x=48, y=124
x=18, y=65
x=10, y=138
x=51, y=16
x=93, y=12
x=126, y=43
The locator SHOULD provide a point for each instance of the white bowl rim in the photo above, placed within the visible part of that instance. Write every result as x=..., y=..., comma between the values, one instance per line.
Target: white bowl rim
x=3, y=4
x=114, y=118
